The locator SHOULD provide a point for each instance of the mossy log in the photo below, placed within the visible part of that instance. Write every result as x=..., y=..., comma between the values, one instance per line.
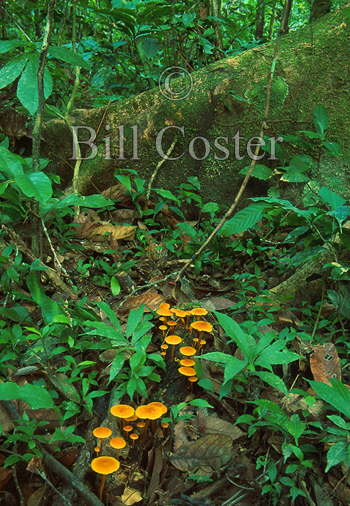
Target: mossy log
x=312, y=69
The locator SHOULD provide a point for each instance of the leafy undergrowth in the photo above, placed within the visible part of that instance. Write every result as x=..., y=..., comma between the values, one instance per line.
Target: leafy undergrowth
x=232, y=395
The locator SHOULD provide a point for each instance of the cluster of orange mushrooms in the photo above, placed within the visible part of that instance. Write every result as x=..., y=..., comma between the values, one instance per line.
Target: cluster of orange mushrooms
x=188, y=323
x=134, y=423
x=141, y=421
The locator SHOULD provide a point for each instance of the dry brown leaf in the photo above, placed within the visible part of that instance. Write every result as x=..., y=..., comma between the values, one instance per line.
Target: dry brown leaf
x=117, y=232
x=5, y=421
x=216, y=303
x=125, y=215
x=36, y=498
x=151, y=299
x=209, y=453
x=324, y=363
x=5, y=476
x=117, y=192
x=214, y=425
x=131, y=496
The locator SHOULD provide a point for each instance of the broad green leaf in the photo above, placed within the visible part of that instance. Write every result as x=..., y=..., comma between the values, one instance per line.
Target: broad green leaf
x=106, y=308
x=131, y=387
x=104, y=330
x=37, y=397
x=338, y=452
x=320, y=117
x=273, y=380
x=336, y=394
x=27, y=88
x=332, y=199
x=210, y=207
x=200, y=403
x=12, y=70
x=273, y=355
x=245, y=342
x=243, y=220
x=232, y=368
x=116, y=366
x=339, y=421
x=166, y=194
x=9, y=45
x=158, y=359
x=260, y=171
x=217, y=356
x=36, y=184
x=134, y=319
x=115, y=286
x=68, y=56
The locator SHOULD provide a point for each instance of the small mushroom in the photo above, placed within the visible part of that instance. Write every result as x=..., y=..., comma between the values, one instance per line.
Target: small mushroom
x=202, y=326
x=187, y=351
x=122, y=411
x=187, y=371
x=117, y=443
x=100, y=434
x=104, y=466
x=173, y=341
x=198, y=311
x=128, y=428
x=187, y=362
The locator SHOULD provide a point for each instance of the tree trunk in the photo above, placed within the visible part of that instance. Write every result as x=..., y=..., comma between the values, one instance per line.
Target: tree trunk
x=312, y=69
x=260, y=19
x=284, y=28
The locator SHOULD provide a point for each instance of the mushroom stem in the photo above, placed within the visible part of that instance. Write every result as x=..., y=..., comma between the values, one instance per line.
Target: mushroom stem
x=102, y=485
x=172, y=352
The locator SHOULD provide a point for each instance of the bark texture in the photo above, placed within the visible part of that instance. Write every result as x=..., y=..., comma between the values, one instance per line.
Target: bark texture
x=312, y=69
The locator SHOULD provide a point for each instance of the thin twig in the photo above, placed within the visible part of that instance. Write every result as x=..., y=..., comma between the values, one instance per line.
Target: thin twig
x=159, y=164
x=57, y=262
x=64, y=473
x=49, y=272
x=41, y=98
x=241, y=190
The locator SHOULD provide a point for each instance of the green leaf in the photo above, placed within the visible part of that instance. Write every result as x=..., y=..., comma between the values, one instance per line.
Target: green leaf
x=166, y=194
x=336, y=394
x=232, y=368
x=106, y=308
x=9, y=45
x=332, y=199
x=68, y=56
x=200, y=403
x=339, y=421
x=12, y=70
x=134, y=319
x=37, y=397
x=320, y=117
x=273, y=380
x=116, y=366
x=217, y=356
x=245, y=342
x=27, y=88
x=36, y=184
x=115, y=286
x=273, y=355
x=65, y=386
x=244, y=219
x=260, y=171
x=338, y=452
x=211, y=208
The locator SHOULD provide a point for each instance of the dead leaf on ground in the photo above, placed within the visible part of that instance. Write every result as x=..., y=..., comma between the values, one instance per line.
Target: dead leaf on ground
x=216, y=303
x=5, y=421
x=5, y=476
x=36, y=498
x=117, y=232
x=131, y=496
x=208, y=453
x=215, y=425
x=324, y=363
x=151, y=299
x=124, y=215
x=119, y=193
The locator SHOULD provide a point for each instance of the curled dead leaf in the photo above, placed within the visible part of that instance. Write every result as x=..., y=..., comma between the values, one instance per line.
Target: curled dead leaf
x=324, y=363
x=131, y=496
x=151, y=299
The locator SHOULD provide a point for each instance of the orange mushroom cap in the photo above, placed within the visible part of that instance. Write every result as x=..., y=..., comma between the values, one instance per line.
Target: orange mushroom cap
x=141, y=425
x=187, y=362
x=118, y=443
x=133, y=436
x=171, y=323
x=179, y=312
x=131, y=418
x=164, y=425
x=173, y=340
x=192, y=379
x=102, y=432
x=164, y=310
x=198, y=311
x=163, y=327
x=128, y=428
x=105, y=465
x=188, y=351
x=164, y=346
x=149, y=412
x=122, y=411
x=159, y=405
x=202, y=342
x=187, y=371
x=163, y=353
x=202, y=326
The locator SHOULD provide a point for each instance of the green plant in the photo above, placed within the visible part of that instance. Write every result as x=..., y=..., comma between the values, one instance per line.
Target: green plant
x=259, y=356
